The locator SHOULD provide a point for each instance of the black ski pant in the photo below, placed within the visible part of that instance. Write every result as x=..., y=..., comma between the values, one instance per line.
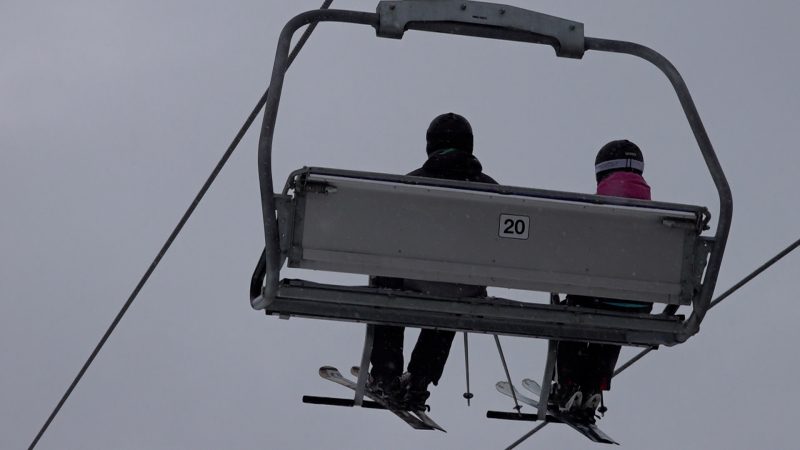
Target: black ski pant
x=589, y=365
x=427, y=360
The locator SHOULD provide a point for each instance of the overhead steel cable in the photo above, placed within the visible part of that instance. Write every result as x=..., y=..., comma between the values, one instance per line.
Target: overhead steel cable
x=755, y=273
x=714, y=302
x=527, y=435
x=722, y=296
x=303, y=38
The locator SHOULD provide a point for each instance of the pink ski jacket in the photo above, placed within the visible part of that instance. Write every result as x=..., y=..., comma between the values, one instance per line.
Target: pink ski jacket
x=629, y=185
x=624, y=184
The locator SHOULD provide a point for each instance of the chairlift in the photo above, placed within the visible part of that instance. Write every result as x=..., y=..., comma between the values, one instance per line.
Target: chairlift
x=521, y=238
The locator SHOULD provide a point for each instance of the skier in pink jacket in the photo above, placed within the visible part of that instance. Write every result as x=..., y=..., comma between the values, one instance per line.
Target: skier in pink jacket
x=584, y=370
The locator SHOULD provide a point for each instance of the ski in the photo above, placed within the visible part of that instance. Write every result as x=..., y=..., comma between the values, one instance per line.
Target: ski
x=590, y=430
x=532, y=386
x=333, y=374
x=423, y=416
x=504, y=388
x=587, y=429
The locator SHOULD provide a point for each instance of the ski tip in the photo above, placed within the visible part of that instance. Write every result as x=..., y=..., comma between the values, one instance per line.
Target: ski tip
x=327, y=369
x=532, y=382
x=532, y=386
x=428, y=421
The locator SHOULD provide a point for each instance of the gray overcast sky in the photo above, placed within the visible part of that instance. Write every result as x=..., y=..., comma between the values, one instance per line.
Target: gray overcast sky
x=113, y=113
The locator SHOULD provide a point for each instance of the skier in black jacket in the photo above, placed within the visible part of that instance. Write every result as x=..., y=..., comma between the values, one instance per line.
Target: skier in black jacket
x=449, y=147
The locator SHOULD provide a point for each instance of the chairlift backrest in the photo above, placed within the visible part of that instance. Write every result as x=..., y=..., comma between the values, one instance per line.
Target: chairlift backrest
x=488, y=235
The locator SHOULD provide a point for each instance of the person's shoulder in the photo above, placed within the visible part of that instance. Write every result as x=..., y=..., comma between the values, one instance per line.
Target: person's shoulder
x=624, y=184
x=483, y=178
x=421, y=172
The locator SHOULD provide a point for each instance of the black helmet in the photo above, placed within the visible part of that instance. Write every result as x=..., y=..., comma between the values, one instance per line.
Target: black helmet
x=622, y=155
x=449, y=131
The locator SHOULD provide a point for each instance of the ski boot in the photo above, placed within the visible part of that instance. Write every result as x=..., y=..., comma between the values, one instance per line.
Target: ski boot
x=415, y=392
x=388, y=389
x=593, y=401
x=587, y=410
x=566, y=398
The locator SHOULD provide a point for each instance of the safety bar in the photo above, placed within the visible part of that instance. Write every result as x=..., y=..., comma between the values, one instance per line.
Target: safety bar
x=482, y=20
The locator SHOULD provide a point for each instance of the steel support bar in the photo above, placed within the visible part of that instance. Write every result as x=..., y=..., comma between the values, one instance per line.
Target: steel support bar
x=481, y=315
x=363, y=373
x=547, y=379
x=526, y=417
x=335, y=401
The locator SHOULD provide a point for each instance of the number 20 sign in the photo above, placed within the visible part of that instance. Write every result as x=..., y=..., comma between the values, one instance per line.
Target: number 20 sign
x=514, y=227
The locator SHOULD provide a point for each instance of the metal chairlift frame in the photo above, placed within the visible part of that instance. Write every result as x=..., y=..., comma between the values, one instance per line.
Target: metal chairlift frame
x=497, y=316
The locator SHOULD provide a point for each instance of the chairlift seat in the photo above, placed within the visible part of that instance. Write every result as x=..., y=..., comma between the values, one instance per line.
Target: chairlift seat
x=464, y=232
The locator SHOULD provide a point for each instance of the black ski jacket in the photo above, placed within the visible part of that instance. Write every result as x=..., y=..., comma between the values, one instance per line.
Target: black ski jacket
x=450, y=164
x=453, y=164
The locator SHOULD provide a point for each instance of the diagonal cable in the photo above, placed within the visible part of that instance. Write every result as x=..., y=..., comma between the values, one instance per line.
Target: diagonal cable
x=172, y=236
x=527, y=435
x=714, y=302
x=722, y=297
x=755, y=273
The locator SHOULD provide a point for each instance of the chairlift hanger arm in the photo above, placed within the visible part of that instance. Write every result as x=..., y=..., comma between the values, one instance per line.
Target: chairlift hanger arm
x=279, y=67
